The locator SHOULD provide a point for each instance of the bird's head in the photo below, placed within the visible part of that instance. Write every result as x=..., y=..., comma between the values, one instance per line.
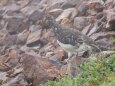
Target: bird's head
x=48, y=21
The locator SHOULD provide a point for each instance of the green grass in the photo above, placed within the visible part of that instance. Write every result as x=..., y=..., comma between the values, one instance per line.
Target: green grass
x=112, y=48
x=99, y=72
x=112, y=39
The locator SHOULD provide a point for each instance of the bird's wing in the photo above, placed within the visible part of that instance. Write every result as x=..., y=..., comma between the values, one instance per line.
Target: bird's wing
x=70, y=37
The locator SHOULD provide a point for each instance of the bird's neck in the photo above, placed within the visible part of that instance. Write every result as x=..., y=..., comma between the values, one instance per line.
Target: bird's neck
x=55, y=27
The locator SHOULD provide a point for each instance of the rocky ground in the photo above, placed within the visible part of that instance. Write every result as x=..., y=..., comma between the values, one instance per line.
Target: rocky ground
x=29, y=53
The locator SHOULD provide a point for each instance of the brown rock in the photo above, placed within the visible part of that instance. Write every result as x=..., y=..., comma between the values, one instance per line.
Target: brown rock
x=95, y=6
x=34, y=37
x=22, y=37
x=15, y=81
x=58, y=56
x=55, y=12
x=9, y=60
x=67, y=15
x=2, y=3
x=72, y=68
x=38, y=70
x=48, y=48
x=110, y=15
x=6, y=39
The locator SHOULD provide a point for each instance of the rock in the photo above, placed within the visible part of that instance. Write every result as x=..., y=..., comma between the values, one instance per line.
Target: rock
x=35, y=16
x=54, y=5
x=38, y=70
x=55, y=12
x=105, y=43
x=81, y=22
x=6, y=39
x=46, y=49
x=57, y=57
x=108, y=52
x=2, y=3
x=70, y=3
x=3, y=77
x=95, y=6
x=25, y=48
x=35, y=70
x=110, y=20
x=34, y=28
x=86, y=29
x=23, y=3
x=67, y=5
x=99, y=15
x=108, y=1
x=37, y=1
x=16, y=25
x=101, y=35
x=82, y=10
x=34, y=38
x=50, y=2
x=93, y=30
x=67, y=16
x=28, y=10
x=22, y=37
x=9, y=60
x=40, y=37
x=72, y=68
x=13, y=7
x=16, y=80
x=111, y=25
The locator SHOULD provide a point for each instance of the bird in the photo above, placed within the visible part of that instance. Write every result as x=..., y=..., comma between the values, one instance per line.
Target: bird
x=72, y=40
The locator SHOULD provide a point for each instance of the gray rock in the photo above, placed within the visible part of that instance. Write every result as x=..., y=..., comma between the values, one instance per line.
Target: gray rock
x=22, y=37
x=105, y=43
x=82, y=9
x=16, y=25
x=81, y=22
x=6, y=39
x=35, y=16
x=70, y=3
x=101, y=35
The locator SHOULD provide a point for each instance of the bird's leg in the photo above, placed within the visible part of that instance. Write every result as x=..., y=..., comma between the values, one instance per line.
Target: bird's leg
x=69, y=56
x=68, y=63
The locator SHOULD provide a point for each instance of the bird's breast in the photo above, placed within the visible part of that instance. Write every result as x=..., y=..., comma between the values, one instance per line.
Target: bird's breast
x=67, y=47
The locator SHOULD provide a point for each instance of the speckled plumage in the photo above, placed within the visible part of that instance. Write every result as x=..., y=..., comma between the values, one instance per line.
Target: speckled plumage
x=72, y=40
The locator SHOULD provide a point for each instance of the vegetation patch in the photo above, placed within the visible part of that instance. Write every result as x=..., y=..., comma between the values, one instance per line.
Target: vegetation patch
x=99, y=72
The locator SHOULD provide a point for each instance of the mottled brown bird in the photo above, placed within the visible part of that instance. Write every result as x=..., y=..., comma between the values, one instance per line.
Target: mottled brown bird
x=72, y=40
